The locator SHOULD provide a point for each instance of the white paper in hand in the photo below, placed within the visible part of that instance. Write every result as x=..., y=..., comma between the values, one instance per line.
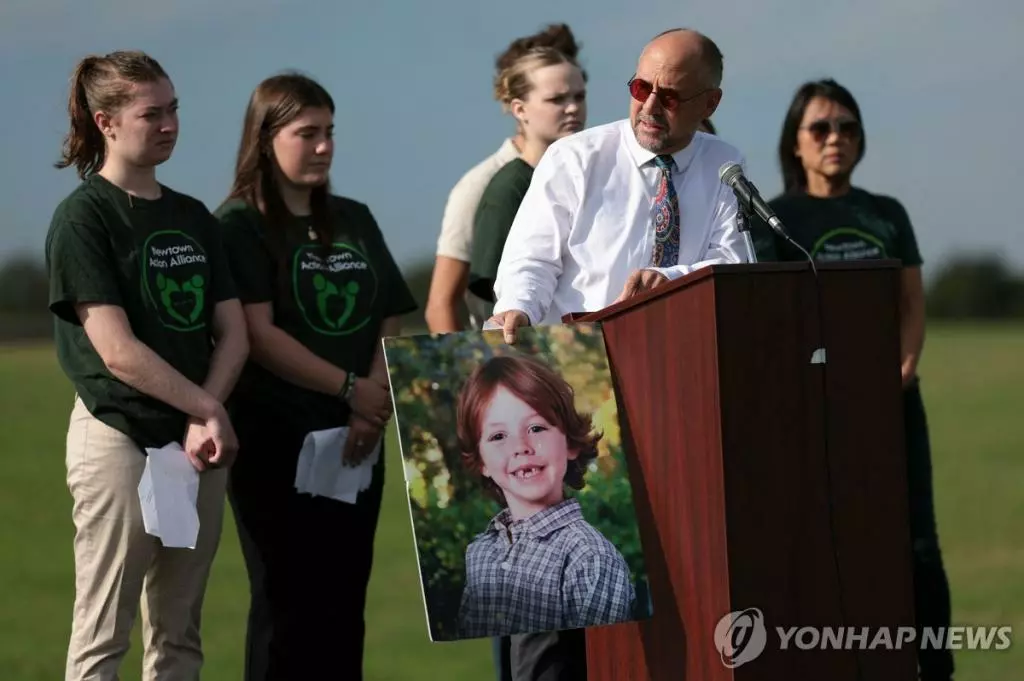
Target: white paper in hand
x=355, y=479
x=168, y=492
x=320, y=461
x=327, y=467
x=320, y=471
x=304, y=468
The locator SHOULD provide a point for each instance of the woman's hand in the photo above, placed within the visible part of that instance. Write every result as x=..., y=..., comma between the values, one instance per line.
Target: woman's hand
x=363, y=437
x=210, y=443
x=371, y=400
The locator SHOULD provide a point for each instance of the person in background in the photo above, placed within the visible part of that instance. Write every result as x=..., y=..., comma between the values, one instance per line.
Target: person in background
x=449, y=283
x=151, y=334
x=319, y=289
x=821, y=144
x=546, y=92
x=612, y=211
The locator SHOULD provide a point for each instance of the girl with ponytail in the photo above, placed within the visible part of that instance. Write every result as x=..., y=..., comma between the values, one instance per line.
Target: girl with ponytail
x=151, y=335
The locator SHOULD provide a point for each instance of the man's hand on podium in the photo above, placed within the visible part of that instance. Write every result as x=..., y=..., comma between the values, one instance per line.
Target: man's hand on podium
x=508, y=321
x=639, y=282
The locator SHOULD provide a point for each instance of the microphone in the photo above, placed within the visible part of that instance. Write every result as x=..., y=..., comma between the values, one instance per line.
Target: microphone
x=731, y=175
x=749, y=199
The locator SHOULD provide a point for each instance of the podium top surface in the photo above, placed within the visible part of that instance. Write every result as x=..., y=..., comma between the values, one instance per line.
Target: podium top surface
x=710, y=271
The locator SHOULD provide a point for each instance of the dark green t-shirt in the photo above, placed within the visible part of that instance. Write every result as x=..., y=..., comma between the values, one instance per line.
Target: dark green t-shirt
x=856, y=226
x=492, y=222
x=333, y=303
x=162, y=262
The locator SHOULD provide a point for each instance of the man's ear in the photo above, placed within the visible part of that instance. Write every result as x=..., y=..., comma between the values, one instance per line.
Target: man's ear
x=713, y=101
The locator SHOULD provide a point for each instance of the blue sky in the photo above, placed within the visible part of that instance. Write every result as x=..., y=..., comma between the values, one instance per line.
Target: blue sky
x=939, y=84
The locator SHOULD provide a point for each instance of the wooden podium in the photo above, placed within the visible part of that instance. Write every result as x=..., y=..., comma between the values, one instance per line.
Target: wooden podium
x=763, y=477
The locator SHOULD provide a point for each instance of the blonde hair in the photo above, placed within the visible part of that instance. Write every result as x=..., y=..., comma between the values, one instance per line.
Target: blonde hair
x=513, y=81
x=558, y=36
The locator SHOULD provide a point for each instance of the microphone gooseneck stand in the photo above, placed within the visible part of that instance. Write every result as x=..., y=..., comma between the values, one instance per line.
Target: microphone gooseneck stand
x=743, y=212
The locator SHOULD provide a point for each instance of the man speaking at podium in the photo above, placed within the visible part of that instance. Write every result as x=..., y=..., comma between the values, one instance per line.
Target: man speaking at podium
x=614, y=211
x=620, y=208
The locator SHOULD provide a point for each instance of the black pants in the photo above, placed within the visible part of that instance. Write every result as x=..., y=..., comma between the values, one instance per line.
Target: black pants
x=501, y=650
x=549, y=656
x=308, y=560
x=931, y=588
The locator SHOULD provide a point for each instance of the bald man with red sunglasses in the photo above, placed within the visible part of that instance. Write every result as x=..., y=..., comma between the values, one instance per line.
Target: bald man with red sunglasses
x=618, y=209
x=612, y=211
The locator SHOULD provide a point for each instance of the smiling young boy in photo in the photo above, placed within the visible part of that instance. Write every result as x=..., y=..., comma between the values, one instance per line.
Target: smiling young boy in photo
x=539, y=566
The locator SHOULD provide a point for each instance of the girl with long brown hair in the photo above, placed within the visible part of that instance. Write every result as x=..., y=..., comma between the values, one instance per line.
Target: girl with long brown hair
x=151, y=335
x=319, y=288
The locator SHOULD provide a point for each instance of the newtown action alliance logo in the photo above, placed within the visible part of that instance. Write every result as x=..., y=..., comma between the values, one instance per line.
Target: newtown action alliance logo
x=742, y=636
x=335, y=291
x=175, y=274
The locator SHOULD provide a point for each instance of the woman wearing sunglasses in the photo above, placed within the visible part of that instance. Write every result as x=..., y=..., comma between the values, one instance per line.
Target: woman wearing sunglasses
x=821, y=144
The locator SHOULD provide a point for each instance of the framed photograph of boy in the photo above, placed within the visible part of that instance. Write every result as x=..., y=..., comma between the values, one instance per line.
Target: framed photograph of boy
x=522, y=508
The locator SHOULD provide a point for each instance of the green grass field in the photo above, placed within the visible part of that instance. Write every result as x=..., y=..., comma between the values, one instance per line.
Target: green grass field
x=972, y=380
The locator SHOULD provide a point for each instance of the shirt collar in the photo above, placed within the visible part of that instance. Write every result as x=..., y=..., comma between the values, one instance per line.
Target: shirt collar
x=642, y=156
x=542, y=523
x=507, y=151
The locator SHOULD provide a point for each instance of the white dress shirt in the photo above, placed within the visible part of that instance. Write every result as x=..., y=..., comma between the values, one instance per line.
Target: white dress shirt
x=587, y=221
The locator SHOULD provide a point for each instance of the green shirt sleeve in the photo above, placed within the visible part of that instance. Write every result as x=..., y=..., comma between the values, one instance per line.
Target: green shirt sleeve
x=82, y=268
x=398, y=299
x=251, y=264
x=491, y=225
x=906, y=240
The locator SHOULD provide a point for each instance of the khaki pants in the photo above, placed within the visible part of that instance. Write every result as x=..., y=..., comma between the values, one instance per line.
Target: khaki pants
x=117, y=564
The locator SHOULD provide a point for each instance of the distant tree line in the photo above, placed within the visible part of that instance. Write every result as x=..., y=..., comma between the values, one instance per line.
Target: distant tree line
x=980, y=287
x=966, y=287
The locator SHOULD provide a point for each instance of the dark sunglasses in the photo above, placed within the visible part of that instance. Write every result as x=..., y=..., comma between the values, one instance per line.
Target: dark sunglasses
x=821, y=129
x=641, y=90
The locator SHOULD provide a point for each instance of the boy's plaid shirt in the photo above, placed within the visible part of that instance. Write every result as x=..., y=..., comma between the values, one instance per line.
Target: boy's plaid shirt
x=550, y=571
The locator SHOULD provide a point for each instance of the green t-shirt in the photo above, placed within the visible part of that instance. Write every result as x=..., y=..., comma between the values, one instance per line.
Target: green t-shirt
x=492, y=222
x=333, y=303
x=856, y=226
x=162, y=262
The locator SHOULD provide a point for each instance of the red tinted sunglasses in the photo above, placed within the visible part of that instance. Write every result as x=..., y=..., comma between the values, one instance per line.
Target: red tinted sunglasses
x=640, y=90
